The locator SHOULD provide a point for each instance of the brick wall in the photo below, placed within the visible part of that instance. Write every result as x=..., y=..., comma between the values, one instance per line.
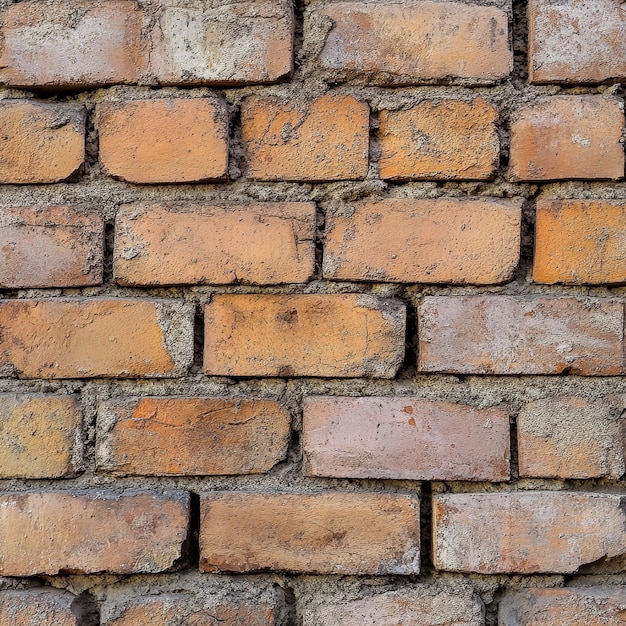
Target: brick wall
x=312, y=314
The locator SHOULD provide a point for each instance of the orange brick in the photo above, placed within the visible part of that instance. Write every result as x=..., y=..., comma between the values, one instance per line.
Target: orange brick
x=165, y=140
x=324, y=533
x=71, y=43
x=572, y=437
x=447, y=240
x=324, y=139
x=440, y=140
x=303, y=335
x=47, y=532
x=580, y=606
x=50, y=246
x=526, y=532
x=568, y=137
x=255, y=243
x=83, y=338
x=42, y=142
x=520, y=335
x=404, y=438
x=41, y=436
x=43, y=606
x=417, y=42
x=240, y=42
x=575, y=41
x=580, y=242
x=191, y=436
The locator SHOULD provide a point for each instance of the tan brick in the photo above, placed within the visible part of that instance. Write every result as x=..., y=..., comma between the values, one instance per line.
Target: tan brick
x=568, y=137
x=225, y=43
x=191, y=436
x=446, y=240
x=520, y=335
x=71, y=43
x=404, y=438
x=165, y=140
x=256, y=243
x=440, y=140
x=40, y=607
x=47, y=532
x=40, y=435
x=83, y=338
x=324, y=533
x=572, y=437
x=580, y=242
x=417, y=42
x=50, y=246
x=412, y=606
x=41, y=142
x=303, y=335
x=324, y=139
x=575, y=41
x=581, y=606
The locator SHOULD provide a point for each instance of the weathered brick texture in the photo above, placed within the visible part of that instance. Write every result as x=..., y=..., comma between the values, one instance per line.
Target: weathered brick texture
x=40, y=606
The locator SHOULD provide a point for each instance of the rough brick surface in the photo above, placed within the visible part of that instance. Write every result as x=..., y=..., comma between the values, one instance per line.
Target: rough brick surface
x=576, y=41
x=568, y=137
x=520, y=335
x=303, y=335
x=191, y=436
x=320, y=140
x=572, y=437
x=404, y=438
x=255, y=243
x=440, y=140
x=165, y=140
x=526, y=532
x=325, y=533
x=580, y=242
x=42, y=142
x=584, y=606
x=40, y=435
x=417, y=41
x=424, y=241
x=40, y=607
x=83, y=338
x=72, y=43
x=50, y=246
x=47, y=532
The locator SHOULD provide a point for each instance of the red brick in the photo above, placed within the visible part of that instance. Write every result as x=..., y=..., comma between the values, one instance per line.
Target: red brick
x=165, y=140
x=303, y=335
x=404, y=438
x=50, y=246
x=576, y=41
x=446, y=240
x=520, y=335
x=191, y=436
x=72, y=43
x=580, y=242
x=41, y=435
x=324, y=139
x=416, y=42
x=440, y=140
x=41, y=606
x=580, y=606
x=47, y=532
x=42, y=142
x=572, y=437
x=240, y=42
x=324, y=533
x=526, y=532
x=254, y=243
x=568, y=137
x=83, y=338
